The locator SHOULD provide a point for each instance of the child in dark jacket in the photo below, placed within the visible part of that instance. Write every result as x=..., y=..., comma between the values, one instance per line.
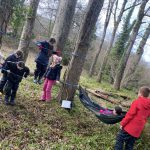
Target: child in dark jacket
x=16, y=71
x=134, y=121
x=42, y=60
x=15, y=57
x=50, y=78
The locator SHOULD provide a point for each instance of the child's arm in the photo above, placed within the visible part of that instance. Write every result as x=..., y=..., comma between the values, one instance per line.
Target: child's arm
x=27, y=72
x=130, y=114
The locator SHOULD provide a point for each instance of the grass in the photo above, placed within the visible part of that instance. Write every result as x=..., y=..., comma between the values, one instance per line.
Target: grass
x=35, y=125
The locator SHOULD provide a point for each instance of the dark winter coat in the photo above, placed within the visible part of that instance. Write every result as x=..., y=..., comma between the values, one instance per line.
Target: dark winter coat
x=45, y=52
x=15, y=75
x=11, y=58
x=52, y=72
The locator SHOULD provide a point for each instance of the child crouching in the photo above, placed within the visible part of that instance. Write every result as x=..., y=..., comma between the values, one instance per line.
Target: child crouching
x=15, y=73
x=50, y=78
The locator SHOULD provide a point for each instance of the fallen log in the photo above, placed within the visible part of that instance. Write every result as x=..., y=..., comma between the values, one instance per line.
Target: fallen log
x=105, y=97
x=112, y=94
x=113, y=101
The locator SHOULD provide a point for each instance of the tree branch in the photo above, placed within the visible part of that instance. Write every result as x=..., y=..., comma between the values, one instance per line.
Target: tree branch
x=131, y=6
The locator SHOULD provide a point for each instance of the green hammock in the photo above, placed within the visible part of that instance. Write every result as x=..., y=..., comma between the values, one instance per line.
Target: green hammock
x=95, y=108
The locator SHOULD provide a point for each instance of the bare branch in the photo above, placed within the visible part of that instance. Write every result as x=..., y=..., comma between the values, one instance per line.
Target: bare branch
x=146, y=11
x=131, y=6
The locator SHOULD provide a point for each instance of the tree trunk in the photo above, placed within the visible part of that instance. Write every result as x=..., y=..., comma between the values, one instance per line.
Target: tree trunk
x=28, y=27
x=63, y=22
x=6, y=10
x=124, y=59
x=108, y=14
x=137, y=58
x=116, y=24
x=75, y=68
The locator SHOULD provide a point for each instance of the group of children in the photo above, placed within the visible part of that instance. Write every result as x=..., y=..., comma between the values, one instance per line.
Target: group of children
x=14, y=70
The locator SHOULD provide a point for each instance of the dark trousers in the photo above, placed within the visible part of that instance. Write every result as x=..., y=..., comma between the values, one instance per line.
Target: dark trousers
x=10, y=90
x=3, y=81
x=124, y=138
x=39, y=71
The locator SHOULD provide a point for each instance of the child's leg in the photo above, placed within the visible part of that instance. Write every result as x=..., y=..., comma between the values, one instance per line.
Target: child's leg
x=120, y=140
x=43, y=97
x=8, y=89
x=129, y=143
x=3, y=82
x=37, y=70
x=13, y=93
x=48, y=89
x=42, y=71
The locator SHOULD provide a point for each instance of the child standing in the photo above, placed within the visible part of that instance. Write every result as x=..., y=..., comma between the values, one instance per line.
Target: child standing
x=42, y=60
x=134, y=121
x=15, y=73
x=15, y=57
x=50, y=77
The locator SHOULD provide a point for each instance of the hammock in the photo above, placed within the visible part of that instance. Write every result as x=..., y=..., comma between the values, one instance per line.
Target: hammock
x=95, y=108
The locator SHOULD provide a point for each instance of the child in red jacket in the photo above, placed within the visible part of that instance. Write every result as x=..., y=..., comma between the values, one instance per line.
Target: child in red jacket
x=134, y=121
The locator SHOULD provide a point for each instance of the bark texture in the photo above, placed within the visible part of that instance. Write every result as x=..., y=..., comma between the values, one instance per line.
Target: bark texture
x=108, y=14
x=28, y=28
x=74, y=71
x=63, y=22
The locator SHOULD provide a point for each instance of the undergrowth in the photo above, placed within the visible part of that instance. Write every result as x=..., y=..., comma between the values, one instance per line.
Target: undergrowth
x=35, y=125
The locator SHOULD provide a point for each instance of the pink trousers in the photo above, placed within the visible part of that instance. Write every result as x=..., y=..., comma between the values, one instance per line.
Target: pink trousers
x=46, y=93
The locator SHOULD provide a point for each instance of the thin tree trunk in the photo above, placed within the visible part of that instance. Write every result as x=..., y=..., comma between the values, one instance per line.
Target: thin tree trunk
x=137, y=58
x=124, y=59
x=75, y=68
x=28, y=28
x=108, y=14
x=6, y=10
x=119, y=47
x=116, y=24
x=63, y=22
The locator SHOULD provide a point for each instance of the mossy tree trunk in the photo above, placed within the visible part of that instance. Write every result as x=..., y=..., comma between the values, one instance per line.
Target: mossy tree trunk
x=63, y=22
x=28, y=28
x=72, y=76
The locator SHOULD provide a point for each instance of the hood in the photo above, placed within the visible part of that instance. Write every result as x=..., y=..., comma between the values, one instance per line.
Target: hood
x=145, y=102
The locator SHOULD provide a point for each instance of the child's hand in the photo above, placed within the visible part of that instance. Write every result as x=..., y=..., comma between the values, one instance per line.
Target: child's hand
x=121, y=127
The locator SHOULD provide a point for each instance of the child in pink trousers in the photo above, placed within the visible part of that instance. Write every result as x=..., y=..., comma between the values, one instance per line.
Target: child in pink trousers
x=50, y=77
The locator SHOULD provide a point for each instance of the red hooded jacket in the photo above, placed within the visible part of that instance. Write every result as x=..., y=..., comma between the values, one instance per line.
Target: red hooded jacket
x=137, y=116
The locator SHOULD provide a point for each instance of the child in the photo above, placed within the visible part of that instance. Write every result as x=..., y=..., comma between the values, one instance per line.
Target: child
x=15, y=57
x=50, y=78
x=16, y=71
x=134, y=121
x=42, y=60
x=116, y=111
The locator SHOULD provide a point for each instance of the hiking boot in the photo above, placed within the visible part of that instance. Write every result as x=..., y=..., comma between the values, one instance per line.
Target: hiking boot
x=35, y=80
x=40, y=82
x=12, y=103
x=6, y=100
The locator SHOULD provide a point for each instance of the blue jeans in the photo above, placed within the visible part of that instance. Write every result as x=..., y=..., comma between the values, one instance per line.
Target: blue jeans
x=124, y=138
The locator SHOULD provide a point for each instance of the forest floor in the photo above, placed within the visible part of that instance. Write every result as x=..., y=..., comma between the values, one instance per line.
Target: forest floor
x=35, y=125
